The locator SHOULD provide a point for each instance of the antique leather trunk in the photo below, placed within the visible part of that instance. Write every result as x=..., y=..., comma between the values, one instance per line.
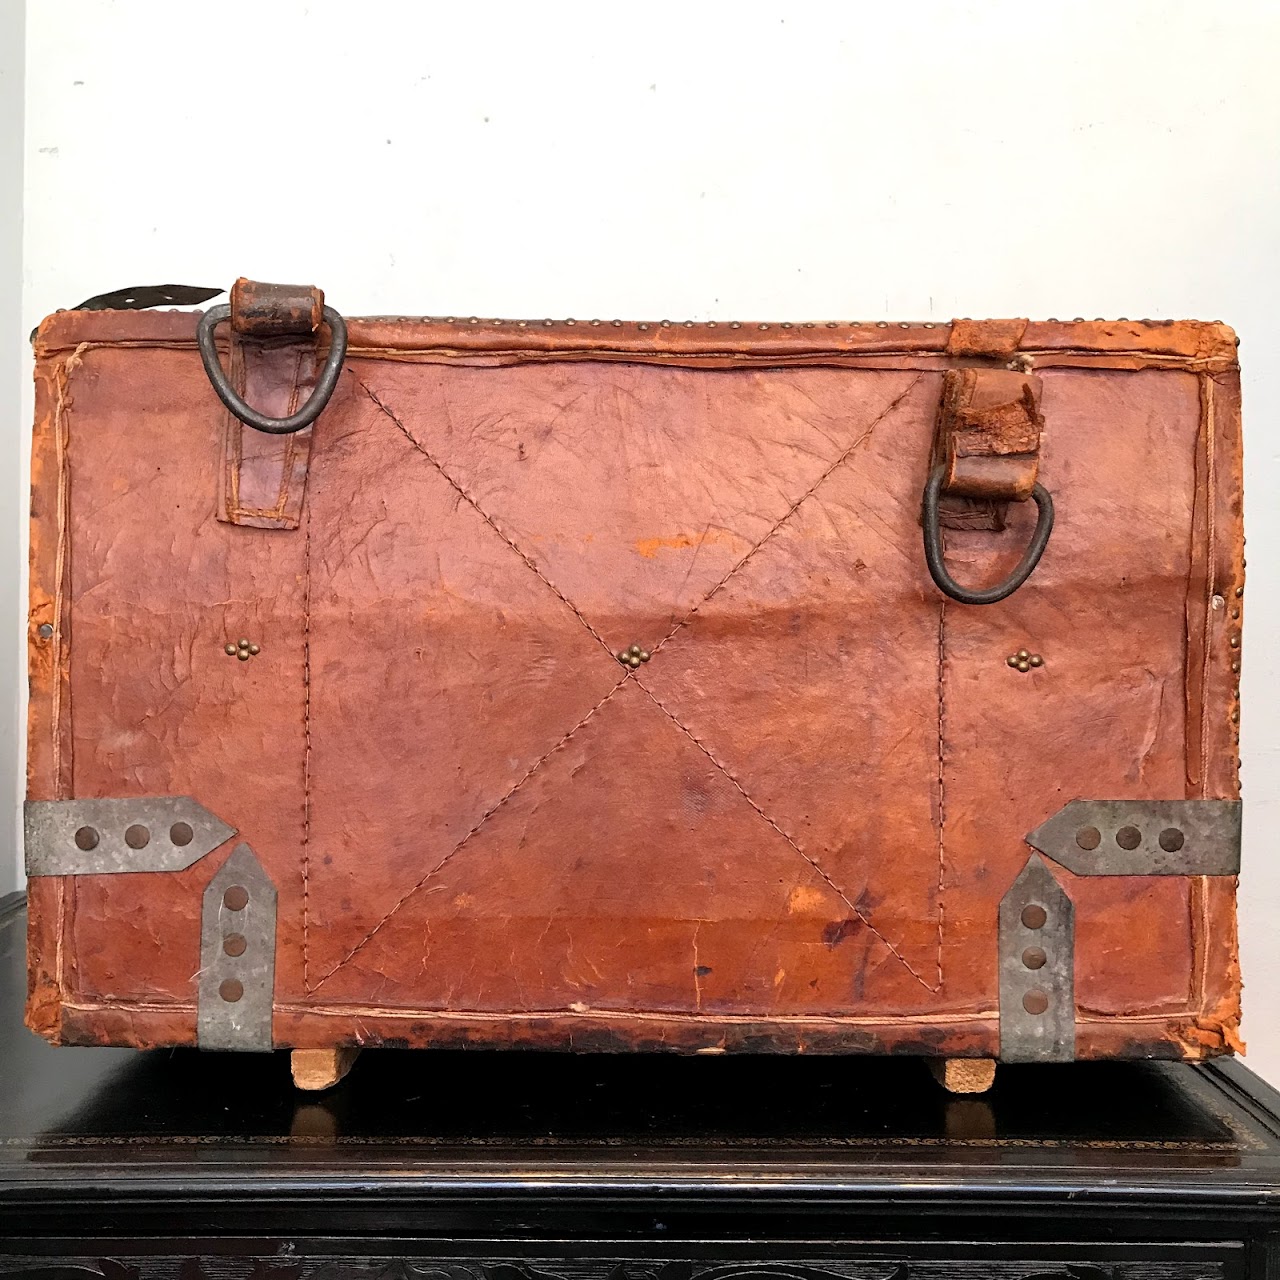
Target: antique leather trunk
x=604, y=685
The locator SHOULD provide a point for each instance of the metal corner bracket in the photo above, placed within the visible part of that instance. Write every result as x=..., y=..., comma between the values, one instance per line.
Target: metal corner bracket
x=1143, y=837
x=114, y=836
x=236, y=983
x=1037, y=968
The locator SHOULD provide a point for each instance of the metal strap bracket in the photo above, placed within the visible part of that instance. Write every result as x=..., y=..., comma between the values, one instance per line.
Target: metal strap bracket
x=1037, y=968
x=236, y=990
x=106, y=837
x=1143, y=837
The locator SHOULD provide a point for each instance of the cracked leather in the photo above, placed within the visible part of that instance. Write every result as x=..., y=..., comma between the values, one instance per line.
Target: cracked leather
x=791, y=828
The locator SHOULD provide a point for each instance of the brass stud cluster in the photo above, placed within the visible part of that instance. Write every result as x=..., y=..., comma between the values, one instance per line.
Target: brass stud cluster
x=1024, y=661
x=632, y=657
x=242, y=649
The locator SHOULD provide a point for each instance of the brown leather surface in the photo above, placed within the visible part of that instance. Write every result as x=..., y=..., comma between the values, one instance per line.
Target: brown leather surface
x=789, y=829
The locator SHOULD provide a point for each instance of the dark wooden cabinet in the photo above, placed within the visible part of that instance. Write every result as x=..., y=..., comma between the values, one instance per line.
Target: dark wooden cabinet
x=177, y=1165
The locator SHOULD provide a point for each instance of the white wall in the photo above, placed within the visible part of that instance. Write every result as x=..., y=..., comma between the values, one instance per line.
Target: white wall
x=692, y=161
x=14, y=363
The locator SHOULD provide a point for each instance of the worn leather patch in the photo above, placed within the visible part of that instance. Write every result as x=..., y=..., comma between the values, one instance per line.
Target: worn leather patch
x=998, y=339
x=264, y=477
x=275, y=310
x=988, y=438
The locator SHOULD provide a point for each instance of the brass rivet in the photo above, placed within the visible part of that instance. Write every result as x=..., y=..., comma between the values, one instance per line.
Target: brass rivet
x=735, y=324
x=181, y=834
x=1235, y=642
x=243, y=655
x=644, y=655
x=1216, y=601
x=1128, y=837
x=1034, y=958
x=882, y=324
x=666, y=324
x=622, y=655
x=635, y=649
x=86, y=838
x=764, y=326
x=1235, y=666
x=46, y=630
x=571, y=322
x=137, y=836
x=1036, y=660
x=1034, y=916
x=617, y=324
x=243, y=644
x=1024, y=664
x=642, y=326
x=229, y=650
x=254, y=650
x=231, y=990
x=1022, y=653
x=1235, y=715
x=1012, y=660
x=236, y=898
x=633, y=660
x=234, y=944
x=1088, y=837
x=1171, y=839
x=1239, y=592
x=1035, y=1002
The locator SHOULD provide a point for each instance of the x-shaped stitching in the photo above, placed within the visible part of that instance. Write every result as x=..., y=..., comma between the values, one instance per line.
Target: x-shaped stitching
x=628, y=675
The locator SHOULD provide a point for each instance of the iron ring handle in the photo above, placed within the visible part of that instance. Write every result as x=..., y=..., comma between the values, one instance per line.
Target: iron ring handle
x=319, y=397
x=933, y=556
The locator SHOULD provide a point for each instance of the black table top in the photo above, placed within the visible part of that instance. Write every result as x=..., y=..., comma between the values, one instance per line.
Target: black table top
x=457, y=1138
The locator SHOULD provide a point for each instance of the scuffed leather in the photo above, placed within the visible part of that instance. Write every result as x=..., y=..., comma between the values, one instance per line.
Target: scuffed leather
x=790, y=829
x=275, y=310
x=989, y=430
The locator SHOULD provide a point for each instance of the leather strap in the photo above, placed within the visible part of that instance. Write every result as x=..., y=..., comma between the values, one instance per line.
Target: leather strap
x=275, y=310
x=988, y=433
x=264, y=477
x=996, y=339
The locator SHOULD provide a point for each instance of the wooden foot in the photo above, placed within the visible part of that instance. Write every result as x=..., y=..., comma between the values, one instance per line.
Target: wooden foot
x=964, y=1075
x=321, y=1068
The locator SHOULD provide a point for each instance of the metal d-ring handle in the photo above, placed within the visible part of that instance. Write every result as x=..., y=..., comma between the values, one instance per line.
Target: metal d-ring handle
x=251, y=417
x=933, y=546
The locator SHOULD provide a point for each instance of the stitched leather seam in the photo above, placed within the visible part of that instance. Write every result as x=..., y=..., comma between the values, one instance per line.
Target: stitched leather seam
x=795, y=506
x=290, y=441
x=1211, y=501
x=486, y=517
x=306, y=751
x=484, y=818
x=63, y=951
x=1206, y=409
x=811, y=861
x=942, y=757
